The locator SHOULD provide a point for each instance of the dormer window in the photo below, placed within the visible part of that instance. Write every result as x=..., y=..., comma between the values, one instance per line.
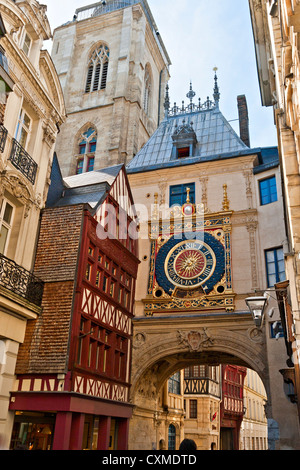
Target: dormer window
x=26, y=44
x=183, y=152
x=184, y=140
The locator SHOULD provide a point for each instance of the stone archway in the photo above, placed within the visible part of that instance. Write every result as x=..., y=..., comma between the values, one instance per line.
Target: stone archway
x=164, y=345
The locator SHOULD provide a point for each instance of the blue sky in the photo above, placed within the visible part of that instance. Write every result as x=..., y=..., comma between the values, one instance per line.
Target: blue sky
x=200, y=35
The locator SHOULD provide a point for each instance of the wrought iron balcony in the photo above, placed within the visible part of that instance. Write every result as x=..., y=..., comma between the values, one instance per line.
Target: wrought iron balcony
x=20, y=281
x=3, y=138
x=23, y=161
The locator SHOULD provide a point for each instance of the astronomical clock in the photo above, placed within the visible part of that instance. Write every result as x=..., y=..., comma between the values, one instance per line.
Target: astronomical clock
x=190, y=267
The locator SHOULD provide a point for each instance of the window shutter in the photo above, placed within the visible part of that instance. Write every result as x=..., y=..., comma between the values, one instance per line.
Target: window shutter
x=104, y=76
x=89, y=79
x=97, y=77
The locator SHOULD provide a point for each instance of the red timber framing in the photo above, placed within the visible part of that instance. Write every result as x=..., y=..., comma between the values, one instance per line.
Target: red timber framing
x=232, y=406
x=94, y=390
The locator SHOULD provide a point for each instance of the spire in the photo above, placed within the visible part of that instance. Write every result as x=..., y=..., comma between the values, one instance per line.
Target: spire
x=167, y=102
x=216, y=89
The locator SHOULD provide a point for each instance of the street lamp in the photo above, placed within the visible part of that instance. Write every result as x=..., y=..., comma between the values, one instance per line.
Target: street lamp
x=257, y=306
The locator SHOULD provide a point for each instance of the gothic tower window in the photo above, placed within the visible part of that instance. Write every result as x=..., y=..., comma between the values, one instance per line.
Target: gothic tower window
x=86, y=151
x=97, y=69
x=147, y=90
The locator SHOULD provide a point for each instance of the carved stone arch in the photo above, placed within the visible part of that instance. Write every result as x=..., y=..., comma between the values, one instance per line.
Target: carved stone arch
x=16, y=15
x=53, y=83
x=97, y=66
x=18, y=187
x=169, y=353
x=92, y=49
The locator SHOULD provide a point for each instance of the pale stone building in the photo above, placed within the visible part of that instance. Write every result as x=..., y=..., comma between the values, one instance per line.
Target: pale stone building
x=33, y=111
x=276, y=30
x=195, y=175
x=254, y=430
x=113, y=67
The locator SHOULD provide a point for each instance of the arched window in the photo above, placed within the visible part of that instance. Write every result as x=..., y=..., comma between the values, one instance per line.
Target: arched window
x=172, y=437
x=86, y=151
x=97, y=69
x=147, y=90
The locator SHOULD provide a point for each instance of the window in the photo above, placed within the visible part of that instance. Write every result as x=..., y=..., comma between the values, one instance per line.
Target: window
x=179, y=193
x=86, y=150
x=174, y=384
x=26, y=44
x=23, y=129
x=6, y=218
x=268, y=191
x=147, y=90
x=97, y=70
x=193, y=409
x=183, y=152
x=276, y=330
x=275, y=266
x=172, y=437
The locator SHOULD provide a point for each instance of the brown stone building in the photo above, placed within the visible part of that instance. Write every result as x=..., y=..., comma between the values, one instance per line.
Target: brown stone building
x=113, y=67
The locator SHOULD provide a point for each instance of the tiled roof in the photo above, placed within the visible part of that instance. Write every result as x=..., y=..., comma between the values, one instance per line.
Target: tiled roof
x=215, y=138
x=88, y=188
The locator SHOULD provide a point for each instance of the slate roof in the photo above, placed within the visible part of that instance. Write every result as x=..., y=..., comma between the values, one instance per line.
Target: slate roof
x=215, y=138
x=88, y=188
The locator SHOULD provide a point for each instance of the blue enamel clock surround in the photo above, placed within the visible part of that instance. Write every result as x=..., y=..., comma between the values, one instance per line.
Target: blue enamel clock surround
x=207, y=238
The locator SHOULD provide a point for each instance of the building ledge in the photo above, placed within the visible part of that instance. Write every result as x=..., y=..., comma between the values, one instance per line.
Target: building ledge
x=14, y=304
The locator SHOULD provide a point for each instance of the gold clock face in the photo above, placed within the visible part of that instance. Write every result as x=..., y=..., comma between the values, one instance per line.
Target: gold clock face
x=190, y=264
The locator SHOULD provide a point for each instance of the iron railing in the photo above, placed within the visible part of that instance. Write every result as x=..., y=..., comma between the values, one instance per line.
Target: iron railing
x=3, y=138
x=20, y=281
x=23, y=161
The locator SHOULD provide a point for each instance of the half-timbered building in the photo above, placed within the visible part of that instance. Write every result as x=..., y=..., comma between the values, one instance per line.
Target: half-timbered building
x=74, y=369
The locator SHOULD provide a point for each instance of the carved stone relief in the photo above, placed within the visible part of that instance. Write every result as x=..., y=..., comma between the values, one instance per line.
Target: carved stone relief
x=196, y=341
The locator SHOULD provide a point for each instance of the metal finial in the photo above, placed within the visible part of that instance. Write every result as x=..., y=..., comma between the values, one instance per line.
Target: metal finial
x=188, y=199
x=216, y=88
x=167, y=102
x=191, y=94
x=226, y=202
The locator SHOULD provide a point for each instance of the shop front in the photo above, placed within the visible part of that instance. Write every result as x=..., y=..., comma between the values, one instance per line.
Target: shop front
x=79, y=423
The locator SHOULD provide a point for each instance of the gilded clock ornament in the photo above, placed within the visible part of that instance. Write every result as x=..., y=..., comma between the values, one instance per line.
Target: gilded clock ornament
x=190, y=263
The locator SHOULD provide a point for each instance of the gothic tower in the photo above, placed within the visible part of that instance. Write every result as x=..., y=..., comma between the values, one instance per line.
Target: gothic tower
x=113, y=67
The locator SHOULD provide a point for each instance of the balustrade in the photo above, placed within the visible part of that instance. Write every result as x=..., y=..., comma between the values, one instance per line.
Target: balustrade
x=23, y=161
x=20, y=281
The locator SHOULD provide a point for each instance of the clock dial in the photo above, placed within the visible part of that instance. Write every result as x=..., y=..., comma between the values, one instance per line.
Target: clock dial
x=190, y=264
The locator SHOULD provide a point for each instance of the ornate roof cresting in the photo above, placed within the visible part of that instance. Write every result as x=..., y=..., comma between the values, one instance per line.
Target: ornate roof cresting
x=192, y=107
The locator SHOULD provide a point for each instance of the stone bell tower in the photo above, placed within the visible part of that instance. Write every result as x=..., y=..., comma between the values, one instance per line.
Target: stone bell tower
x=113, y=67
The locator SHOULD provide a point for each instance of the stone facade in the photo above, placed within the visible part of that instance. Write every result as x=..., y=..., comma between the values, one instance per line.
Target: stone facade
x=172, y=333
x=33, y=114
x=254, y=430
x=276, y=35
x=126, y=107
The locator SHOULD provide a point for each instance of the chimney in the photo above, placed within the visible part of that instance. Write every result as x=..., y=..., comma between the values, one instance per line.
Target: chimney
x=244, y=119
